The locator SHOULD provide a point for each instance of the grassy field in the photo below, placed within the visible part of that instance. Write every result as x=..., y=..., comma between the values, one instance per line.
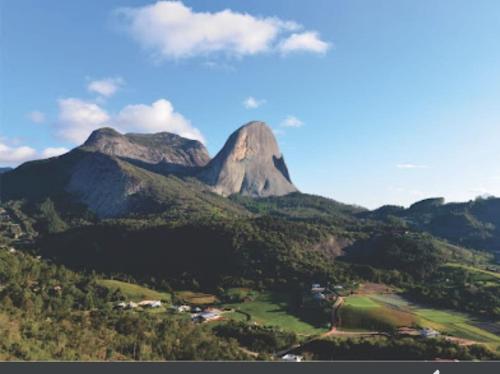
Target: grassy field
x=196, y=298
x=365, y=313
x=481, y=274
x=134, y=292
x=270, y=308
x=372, y=309
x=360, y=302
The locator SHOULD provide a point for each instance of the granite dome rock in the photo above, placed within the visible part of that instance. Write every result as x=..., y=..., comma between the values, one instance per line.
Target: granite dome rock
x=250, y=164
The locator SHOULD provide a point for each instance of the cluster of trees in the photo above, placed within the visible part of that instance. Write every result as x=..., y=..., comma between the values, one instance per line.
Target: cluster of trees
x=262, y=339
x=268, y=251
x=416, y=255
x=397, y=348
x=275, y=242
x=48, y=312
x=474, y=224
x=460, y=289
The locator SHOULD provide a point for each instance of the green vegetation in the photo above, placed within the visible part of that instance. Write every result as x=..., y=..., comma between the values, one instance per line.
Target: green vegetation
x=267, y=339
x=298, y=206
x=195, y=298
x=474, y=224
x=134, y=292
x=462, y=288
x=364, y=313
x=182, y=244
x=50, y=313
x=387, y=312
x=384, y=348
x=480, y=275
x=239, y=294
x=278, y=309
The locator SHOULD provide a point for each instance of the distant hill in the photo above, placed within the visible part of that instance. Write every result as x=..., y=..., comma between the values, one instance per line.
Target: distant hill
x=4, y=170
x=474, y=224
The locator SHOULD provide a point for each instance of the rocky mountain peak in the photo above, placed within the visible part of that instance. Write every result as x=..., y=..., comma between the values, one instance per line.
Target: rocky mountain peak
x=156, y=148
x=250, y=163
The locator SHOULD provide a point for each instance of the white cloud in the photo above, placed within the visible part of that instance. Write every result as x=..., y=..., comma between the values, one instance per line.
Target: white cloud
x=307, y=41
x=53, y=152
x=157, y=117
x=78, y=118
x=292, y=121
x=106, y=87
x=172, y=30
x=14, y=155
x=411, y=166
x=37, y=117
x=252, y=103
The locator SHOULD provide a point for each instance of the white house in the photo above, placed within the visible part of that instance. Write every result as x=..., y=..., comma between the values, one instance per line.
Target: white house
x=124, y=305
x=121, y=305
x=291, y=358
x=182, y=308
x=150, y=304
x=205, y=316
x=429, y=333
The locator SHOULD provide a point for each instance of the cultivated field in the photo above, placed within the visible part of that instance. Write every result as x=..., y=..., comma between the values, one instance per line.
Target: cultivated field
x=271, y=308
x=387, y=312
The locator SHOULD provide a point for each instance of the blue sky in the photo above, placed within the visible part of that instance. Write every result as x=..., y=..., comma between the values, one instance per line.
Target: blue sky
x=372, y=102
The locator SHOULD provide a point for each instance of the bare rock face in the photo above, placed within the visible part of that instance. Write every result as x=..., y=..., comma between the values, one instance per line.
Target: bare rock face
x=100, y=182
x=250, y=163
x=163, y=147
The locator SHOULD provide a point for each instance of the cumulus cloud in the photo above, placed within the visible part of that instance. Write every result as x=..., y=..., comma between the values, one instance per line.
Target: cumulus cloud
x=411, y=166
x=252, y=103
x=157, y=117
x=15, y=155
x=53, y=152
x=292, y=121
x=172, y=30
x=78, y=118
x=37, y=117
x=106, y=87
x=304, y=42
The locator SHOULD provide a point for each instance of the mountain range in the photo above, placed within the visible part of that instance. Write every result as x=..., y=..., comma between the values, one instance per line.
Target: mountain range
x=158, y=208
x=116, y=175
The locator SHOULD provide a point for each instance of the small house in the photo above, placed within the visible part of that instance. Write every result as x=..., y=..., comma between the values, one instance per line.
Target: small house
x=124, y=305
x=205, y=316
x=182, y=308
x=429, y=333
x=291, y=358
x=150, y=304
x=121, y=305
